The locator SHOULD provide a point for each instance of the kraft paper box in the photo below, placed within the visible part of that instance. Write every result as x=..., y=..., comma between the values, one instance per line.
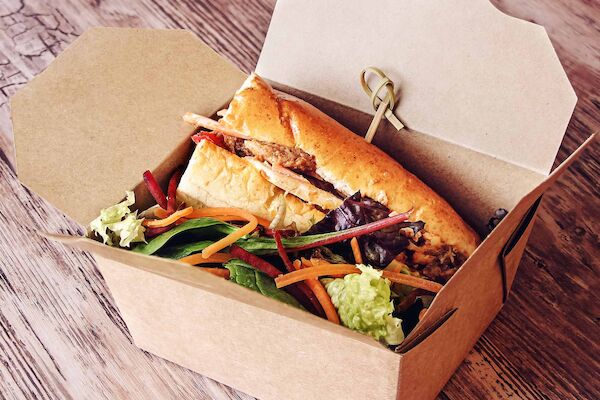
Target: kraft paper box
x=487, y=103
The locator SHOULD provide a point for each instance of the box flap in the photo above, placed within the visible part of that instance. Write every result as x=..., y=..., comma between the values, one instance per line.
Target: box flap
x=108, y=108
x=468, y=73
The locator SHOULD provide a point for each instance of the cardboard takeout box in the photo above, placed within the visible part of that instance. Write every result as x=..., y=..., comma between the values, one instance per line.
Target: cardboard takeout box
x=487, y=103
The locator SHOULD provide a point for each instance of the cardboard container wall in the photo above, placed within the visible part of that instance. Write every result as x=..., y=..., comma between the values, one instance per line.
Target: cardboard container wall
x=478, y=102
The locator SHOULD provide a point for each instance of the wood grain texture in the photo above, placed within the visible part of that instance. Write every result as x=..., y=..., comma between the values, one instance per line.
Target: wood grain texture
x=62, y=337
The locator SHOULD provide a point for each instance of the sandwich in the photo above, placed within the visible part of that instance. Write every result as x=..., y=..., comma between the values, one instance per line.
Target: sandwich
x=286, y=147
x=282, y=199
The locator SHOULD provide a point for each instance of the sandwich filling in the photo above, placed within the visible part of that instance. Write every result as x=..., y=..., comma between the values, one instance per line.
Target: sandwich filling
x=291, y=169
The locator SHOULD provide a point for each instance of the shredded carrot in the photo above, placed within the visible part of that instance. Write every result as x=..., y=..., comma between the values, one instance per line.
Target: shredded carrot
x=234, y=236
x=311, y=262
x=197, y=258
x=314, y=272
x=326, y=269
x=263, y=222
x=181, y=221
x=413, y=281
x=297, y=264
x=356, y=251
x=229, y=212
x=227, y=218
x=222, y=272
x=319, y=261
x=317, y=287
x=157, y=223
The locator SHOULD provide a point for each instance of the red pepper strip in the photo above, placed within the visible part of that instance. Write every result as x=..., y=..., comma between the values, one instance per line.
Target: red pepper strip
x=355, y=232
x=255, y=261
x=273, y=272
x=210, y=136
x=151, y=232
x=155, y=190
x=172, y=191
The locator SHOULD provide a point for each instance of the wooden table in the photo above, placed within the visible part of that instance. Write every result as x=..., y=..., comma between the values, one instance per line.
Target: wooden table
x=62, y=337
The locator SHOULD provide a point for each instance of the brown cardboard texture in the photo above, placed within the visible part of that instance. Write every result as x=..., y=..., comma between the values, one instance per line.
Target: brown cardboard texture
x=212, y=326
x=113, y=100
x=468, y=73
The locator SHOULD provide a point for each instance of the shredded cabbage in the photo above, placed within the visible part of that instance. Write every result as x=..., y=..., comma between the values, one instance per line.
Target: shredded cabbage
x=363, y=304
x=117, y=224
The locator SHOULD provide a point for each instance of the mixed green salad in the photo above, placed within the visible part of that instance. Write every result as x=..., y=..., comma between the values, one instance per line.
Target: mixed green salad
x=344, y=269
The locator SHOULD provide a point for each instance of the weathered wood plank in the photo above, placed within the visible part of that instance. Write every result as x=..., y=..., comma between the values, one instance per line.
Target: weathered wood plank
x=61, y=336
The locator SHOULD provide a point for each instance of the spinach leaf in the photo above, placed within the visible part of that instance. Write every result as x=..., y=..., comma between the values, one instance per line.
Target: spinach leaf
x=245, y=275
x=183, y=250
x=189, y=231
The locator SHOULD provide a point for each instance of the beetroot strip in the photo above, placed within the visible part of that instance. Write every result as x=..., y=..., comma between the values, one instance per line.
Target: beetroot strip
x=155, y=190
x=172, y=191
x=355, y=232
x=151, y=232
x=255, y=261
x=316, y=307
x=281, y=250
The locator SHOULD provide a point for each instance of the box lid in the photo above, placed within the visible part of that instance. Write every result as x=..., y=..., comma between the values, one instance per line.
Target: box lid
x=138, y=82
x=468, y=73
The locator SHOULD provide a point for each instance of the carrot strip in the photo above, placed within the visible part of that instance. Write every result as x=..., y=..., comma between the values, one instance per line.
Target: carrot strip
x=222, y=272
x=232, y=237
x=319, y=261
x=197, y=258
x=297, y=264
x=263, y=222
x=157, y=223
x=181, y=221
x=172, y=190
x=356, y=251
x=229, y=212
x=413, y=281
x=317, y=287
x=314, y=272
x=331, y=269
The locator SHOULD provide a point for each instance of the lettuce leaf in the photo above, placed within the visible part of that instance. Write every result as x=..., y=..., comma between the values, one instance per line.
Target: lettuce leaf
x=183, y=250
x=117, y=224
x=185, y=238
x=363, y=303
x=378, y=248
x=245, y=275
x=190, y=232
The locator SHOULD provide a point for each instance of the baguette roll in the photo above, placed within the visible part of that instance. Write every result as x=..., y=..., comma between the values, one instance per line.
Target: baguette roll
x=216, y=177
x=343, y=159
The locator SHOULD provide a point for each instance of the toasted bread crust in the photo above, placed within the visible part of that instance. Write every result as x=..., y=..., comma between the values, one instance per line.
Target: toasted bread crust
x=344, y=159
x=215, y=177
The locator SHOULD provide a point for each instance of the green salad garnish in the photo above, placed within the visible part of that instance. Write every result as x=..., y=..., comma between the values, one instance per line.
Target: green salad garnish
x=363, y=303
x=117, y=225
